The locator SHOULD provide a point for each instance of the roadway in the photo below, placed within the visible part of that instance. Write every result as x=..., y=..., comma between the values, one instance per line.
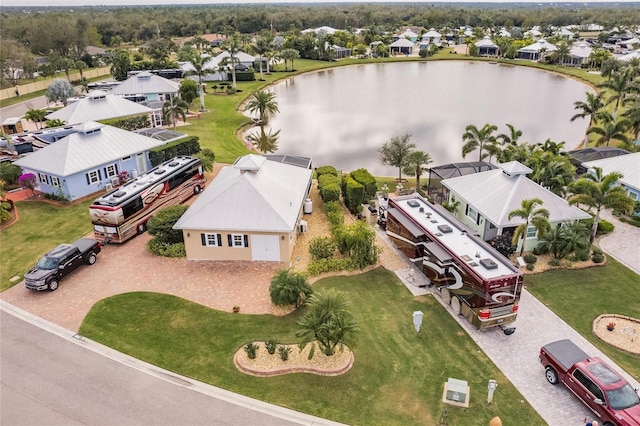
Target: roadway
x=49, y=375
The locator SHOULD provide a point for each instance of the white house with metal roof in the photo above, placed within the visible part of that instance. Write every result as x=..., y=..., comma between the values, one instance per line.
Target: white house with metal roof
x=149, y=86
x=487, y=47
x=628, y=165
x=579, y=54
x=401, y=46
x=487, y=198
x=251, y=211
x=537, y=50
x=84, y=162
x=98, y=105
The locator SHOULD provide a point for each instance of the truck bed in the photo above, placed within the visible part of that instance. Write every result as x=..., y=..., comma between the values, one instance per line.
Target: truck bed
x=85, y=244
x=565, y=352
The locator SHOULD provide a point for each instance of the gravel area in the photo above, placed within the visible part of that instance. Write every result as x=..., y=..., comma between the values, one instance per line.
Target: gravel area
x=625, y=334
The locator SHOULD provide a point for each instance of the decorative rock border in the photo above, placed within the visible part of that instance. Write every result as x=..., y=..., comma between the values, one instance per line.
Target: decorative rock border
x=291, y=366
x=625, y=335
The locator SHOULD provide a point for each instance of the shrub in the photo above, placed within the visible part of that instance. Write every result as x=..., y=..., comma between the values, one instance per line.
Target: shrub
x=270, y=346
x=605, y=227
x=540, y=249
x=284, y=352
x=503, y=244
x=9, y=172
x=159, y=248
x=530, y=266
x=330, y=192
x=332, y=207
x=353, y=193
x=160, y=226
x=358, y=242
x=597, y=258
x=328, y=179
x=555, y=262
x=185, y=146
x=317, y=267
x=530, y=258
x=596, y=250
x=323, y=170
x=251, y=349
x=289, y=288
x=366, y=179
x=336, y=220
x=322, y=248
x=581, y=256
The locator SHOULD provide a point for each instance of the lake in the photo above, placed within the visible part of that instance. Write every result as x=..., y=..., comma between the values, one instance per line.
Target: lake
x=341, y=116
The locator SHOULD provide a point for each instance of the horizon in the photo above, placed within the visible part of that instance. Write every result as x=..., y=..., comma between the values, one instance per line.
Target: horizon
x=135, y=3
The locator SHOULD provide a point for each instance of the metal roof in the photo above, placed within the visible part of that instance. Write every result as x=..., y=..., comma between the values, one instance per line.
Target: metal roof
x=460, y=169
x=92, y=146
x=145, y=83
x=628, y=165
x=251, y=195
x=160, y=134
x=98, y=105
x=580, y=156
x=495, y=194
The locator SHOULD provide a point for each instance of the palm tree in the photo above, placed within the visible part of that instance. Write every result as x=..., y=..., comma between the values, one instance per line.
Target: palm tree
x=264, y=141
x=510, y=138
x=273, y=56
x=416, y=163
x=199, y=64
x=591, y=108
x=477, y=139
x=538, y=217
x=610, y=130
x=597, y=191
x=618, y=86
x=289, y=55
x=263, y=102
x=232, y=46
x=632, y=114
x=562, y=54
x=173, y=109
x=261, y=48
x=598, y=56
x=36, y=115
x=289, y=288
x=632, y=68
x=327, y=322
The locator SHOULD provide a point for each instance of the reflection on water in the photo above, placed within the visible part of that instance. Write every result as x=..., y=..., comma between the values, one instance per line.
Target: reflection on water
x=343, y=115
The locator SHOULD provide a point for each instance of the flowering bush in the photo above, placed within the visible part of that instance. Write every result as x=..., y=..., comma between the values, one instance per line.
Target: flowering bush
x=27, y=180
x=611, y=326
x=123, y=177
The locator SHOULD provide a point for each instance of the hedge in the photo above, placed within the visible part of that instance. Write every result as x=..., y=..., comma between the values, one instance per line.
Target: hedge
x=328, y=179
x=323, y=170
x=185, y=146
x=366, y=179
x=245, y=76
x=330, y=192
x=353, y=193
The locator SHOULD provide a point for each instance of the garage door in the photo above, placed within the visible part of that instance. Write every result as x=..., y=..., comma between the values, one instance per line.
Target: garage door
x=265, y=247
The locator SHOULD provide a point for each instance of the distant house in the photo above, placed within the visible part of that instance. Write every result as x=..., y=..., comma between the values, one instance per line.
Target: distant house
x=84, y=162
x=580, y=156
x=340, y=52
x=628, y=165
x=408, y=34
x=536, y=51
x=98, y=105
x=145, y=86
x=487, y=198
x=565, y=33
x=533, y=33
x=504, y=33
x=432, y=37
x=323, y=29
x=219, y=70
x=401, y=47
x=251, y=211
x=629, y=56
x=579, y=54
x=486, y=47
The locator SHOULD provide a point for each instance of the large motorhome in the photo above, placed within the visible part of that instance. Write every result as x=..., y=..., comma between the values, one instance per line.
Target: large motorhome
x=475, y=279
x=123, y=212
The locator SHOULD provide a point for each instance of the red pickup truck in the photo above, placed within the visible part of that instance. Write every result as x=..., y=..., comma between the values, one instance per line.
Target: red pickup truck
x=597, y=385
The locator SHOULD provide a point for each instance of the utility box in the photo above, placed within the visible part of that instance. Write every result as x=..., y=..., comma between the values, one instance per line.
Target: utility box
x=12, y=125
x=456, y=392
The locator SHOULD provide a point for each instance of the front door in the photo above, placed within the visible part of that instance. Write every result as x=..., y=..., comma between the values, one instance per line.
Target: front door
x=265, y=247
x=141, y=163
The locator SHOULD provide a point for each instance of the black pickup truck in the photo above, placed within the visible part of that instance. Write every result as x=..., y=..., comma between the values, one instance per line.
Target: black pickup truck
x=60, y=262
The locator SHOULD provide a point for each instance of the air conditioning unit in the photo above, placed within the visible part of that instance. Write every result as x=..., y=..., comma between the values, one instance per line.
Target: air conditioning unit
x=303, y=226
x=115, y=181
x=134, y=174
x=108, y=187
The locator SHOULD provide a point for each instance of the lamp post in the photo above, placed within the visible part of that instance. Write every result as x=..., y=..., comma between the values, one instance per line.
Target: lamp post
x=417, y=320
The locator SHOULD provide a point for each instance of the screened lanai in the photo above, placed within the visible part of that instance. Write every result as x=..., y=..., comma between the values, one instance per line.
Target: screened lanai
x=446, y=171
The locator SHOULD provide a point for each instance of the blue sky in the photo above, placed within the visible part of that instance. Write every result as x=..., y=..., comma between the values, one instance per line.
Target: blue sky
x=158, y=2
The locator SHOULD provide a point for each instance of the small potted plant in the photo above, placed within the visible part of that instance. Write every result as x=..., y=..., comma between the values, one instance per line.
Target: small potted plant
x=236, y=309
x=611, y=326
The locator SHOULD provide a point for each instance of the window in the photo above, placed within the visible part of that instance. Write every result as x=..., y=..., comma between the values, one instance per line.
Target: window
x=588, y=384
x=472, y=214
x=238, y=240
x=55, y=181
x=93, y=177
x=42, y=177
x=532, y=232
x=211, y=240
x=111, y=170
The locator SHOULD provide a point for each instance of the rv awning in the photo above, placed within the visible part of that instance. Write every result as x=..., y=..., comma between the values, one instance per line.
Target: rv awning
x=438, y=252
x=414, y=229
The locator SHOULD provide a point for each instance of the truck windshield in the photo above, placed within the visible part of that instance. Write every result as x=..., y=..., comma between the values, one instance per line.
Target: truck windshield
x=622, y=398
x=47, y=263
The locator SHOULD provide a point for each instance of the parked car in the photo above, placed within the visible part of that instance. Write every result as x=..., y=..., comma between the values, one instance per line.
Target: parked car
x=593, y=382
x=60, y=262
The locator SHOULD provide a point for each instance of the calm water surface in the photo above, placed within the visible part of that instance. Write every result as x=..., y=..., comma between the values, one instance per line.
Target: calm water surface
x=343, y=115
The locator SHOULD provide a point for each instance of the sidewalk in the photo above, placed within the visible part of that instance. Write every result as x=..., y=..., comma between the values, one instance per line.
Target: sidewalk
x=623, y=244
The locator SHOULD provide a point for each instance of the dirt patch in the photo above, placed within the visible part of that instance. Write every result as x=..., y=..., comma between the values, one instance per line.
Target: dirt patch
x=624, y=333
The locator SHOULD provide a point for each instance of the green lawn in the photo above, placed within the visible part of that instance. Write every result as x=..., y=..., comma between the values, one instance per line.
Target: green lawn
x=41, y=227
x=579, y=296
x=397, y=377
